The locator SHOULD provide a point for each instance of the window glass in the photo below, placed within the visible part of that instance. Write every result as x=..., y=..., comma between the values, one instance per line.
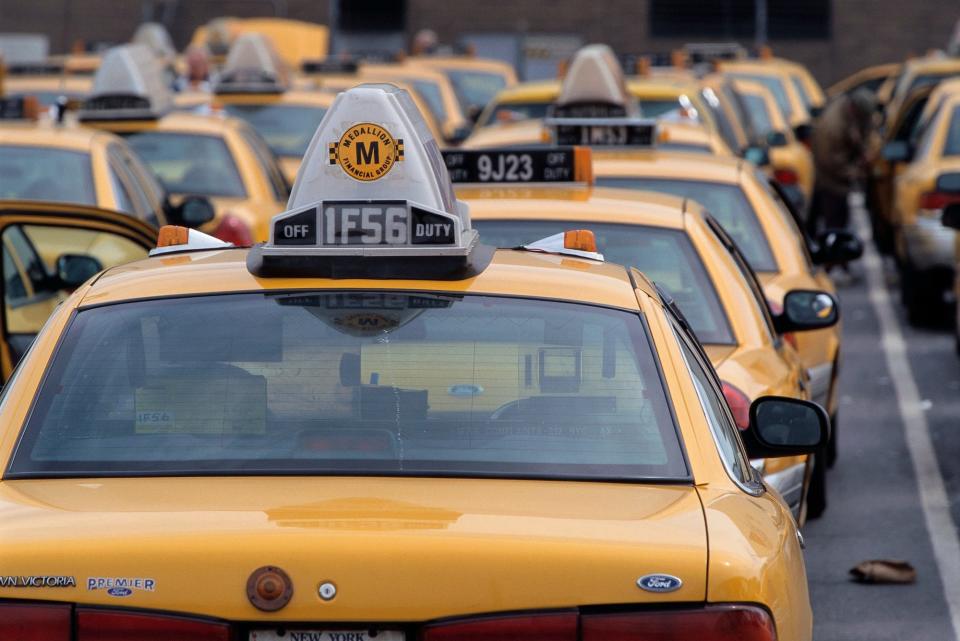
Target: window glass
x=718, y=416
x=757, y=111
x=475, y=88
x=267, y=162
x=430, y=92
x=288, y=129
x=725, y=126
x=190, y=163
x=801, y=90
x=46, y=173
x=354, y=383
x=124, y=202
x=514, y=112
x=128, y=187
x=727, y=203
x=951, y=146
x=906, y=130
x=775, y=85
x=666, y=256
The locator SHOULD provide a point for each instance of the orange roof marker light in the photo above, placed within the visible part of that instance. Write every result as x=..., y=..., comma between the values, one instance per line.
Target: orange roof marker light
x=575, y=242
x=564, y=165
x=172, y=238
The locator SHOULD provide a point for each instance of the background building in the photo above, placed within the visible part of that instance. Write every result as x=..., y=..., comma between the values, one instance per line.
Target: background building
x=832, y=37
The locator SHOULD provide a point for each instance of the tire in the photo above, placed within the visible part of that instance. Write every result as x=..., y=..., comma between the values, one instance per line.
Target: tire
x=817, y=493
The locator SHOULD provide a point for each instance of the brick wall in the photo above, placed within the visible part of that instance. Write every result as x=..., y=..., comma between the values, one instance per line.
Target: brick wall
x=864, y=31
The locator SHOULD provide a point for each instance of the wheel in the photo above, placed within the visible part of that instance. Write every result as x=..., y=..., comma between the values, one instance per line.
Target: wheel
x=817, y=494
x=832, y=443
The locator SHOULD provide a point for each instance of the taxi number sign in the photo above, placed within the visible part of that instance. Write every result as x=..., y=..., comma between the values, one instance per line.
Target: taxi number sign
x=382, y=223
x=326, y=635
x=553, y=165
x=605, y=135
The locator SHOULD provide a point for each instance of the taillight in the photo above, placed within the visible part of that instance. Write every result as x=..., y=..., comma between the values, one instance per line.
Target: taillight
x=937, y=200
x=785, y=176
x=233, y=230
x=713, y=623
x=35, y=621
x=106, y=625
x=560, y=626
x=791, y=338
x=739, y=405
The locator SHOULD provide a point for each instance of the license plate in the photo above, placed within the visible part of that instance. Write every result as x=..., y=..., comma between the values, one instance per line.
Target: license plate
x=320, y=634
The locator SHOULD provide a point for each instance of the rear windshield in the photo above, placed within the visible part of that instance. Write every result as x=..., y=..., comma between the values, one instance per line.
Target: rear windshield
x=46, y=173
x=287, y=129
x=666, y=256
x=475, y=88
x=353, y=383
x=727, y=203
x=775, y=85
x=190, y=163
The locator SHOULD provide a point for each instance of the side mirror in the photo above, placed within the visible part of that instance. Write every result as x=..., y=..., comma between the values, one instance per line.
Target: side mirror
x=194, y=211
x=803, y=132
x=781, y=426
x=951, y=216
x=776, y=139
x=815, y=111
x=759, y=156
x=896, y=151
x=837, y=246
x=806, y=309
x=74, y=270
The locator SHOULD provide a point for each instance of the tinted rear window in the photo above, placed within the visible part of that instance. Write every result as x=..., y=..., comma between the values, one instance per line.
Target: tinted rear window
x=190, y=163
x=727, y=203
x=666, y=256
x=46, y=173
x=353, y=383
x=286, y=128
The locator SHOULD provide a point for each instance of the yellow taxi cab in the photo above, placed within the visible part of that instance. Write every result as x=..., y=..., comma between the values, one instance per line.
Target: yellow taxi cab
x=778, y=80
x=434, y=87
x=733, y=121
x=49, y=250
x=675, y=244
x=914, y=74
x=808, y=89
x=296, y=41
x=928, y=181
x=475, y=80
x=791, y=161
x=869, y=78
x=220, y=158
x=42, y=159
x=46, y=81
x=373, y=426
x=254, y=87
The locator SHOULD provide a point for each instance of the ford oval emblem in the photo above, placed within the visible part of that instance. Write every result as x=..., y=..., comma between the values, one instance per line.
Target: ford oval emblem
x=659, y=583
x=119, y=591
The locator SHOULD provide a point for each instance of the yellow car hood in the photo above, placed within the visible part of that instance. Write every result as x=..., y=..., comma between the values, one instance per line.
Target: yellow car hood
x=397, y=549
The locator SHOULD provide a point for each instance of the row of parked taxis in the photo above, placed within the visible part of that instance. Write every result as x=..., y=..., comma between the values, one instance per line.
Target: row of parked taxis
x=573, y=378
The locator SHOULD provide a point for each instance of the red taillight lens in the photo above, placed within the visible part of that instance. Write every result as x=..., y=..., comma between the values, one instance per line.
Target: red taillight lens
x=937, y=199
x=785, y=176
x=233, y=230
x=739, y=405
x=791, y=338
x=104, y=625
x=35, y=621
x=560, y=626
x=717, y=623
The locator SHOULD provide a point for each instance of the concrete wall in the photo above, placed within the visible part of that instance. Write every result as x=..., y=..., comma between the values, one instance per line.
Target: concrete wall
x=864, y=31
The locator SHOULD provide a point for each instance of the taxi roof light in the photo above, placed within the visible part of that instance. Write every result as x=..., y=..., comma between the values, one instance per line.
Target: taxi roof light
x=173, y=238
x=253, y=66
x=595, y=85
x=372, y=199
x=574, y=242
x=129, y=85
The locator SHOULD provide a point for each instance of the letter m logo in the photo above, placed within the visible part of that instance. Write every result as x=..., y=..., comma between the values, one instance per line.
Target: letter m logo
x=368, y=154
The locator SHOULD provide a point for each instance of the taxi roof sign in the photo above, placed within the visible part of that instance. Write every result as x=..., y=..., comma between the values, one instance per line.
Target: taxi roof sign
x=520, y=166
x=253, y=66
x=128, y=85
x=372, y=199
x=595, y=86
x=156, y=37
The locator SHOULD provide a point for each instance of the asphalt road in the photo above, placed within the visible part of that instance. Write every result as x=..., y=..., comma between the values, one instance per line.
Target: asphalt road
x=875, y=496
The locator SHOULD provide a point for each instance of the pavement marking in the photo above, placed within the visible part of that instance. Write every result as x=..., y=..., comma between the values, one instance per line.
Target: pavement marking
x=933, y=494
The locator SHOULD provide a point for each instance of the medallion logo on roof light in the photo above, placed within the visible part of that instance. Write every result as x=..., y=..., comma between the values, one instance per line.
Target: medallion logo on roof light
x=366, y=151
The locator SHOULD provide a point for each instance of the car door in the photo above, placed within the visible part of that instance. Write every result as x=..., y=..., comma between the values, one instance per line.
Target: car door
x=50, y=249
